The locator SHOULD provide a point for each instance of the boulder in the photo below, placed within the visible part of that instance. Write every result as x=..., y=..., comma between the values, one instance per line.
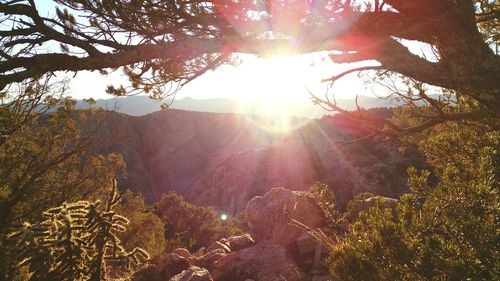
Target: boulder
x=207, y=260
x=172, y=264
x=240, y=242
x=183, y=253
x=306, y=244
x=310, y=252
x=193, y=273
x=200, y=252
x=218, y=245
x=266, y=261
x=384, y=202
x=275, y=215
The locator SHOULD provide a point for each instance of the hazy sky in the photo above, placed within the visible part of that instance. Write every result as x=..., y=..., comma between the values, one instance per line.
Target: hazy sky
x=254, y=78
x=268, y=80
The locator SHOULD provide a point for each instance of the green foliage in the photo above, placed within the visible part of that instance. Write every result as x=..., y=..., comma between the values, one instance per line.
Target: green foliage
x=44, y=154
x=45, y=158
x=355, y=205
x=442, y=231
x=325, y=197
x=75, y=241
x=194, y=226
x=145, y=230
x=326, y=200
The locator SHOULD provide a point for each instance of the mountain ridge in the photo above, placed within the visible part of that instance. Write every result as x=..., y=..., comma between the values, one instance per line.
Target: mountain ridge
x=142, y=105
x=222, y=160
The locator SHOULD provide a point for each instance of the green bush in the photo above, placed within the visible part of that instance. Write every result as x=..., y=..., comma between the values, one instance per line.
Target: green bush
x=441, y=231
x=194, y=226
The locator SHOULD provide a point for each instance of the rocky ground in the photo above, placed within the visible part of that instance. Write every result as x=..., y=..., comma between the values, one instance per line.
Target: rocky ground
x=282, y=245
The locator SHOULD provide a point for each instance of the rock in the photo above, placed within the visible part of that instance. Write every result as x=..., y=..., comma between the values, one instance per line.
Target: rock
x=200, y=252
x=293, y=162
x=384, y=202
x=306, y=244
x=360, y=205
x=194, y=273
x=231, y=183
x=218, y=245
x=309, y=252
x=266, y=261
x=224, y=241
x=241, y=242
x=183, y=253
x=172, y=264
x=274, y=215
x=207, y=260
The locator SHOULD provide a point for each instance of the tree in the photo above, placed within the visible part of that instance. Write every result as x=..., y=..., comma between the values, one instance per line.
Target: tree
x=45, y=158
x=446, y=230
x=194, y=226
x=145, y=230
x=161, y=42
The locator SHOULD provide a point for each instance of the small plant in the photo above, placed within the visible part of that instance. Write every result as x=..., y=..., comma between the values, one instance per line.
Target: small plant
x=326, y=200
x=76, y=241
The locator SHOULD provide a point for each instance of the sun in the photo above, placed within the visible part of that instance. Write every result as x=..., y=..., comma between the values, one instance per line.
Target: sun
x=271, y=90
x=274, y=91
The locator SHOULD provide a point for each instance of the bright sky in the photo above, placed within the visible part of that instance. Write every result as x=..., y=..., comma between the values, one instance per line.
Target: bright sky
x=255, y=78
x=266, y=82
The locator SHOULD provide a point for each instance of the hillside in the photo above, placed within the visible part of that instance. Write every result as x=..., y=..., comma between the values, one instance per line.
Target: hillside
x=142, y=105
x=302, y=158
x=223, y=159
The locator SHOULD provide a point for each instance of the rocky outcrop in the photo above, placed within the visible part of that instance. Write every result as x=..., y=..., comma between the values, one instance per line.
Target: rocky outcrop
x=163, y=268
x=207, y=260
x=302, y=158
x=267, y=261
x=281, y=245
x=219, y=245
x=183, y=253
x=193, y=273
x=240, y=242
x=223, y=160
x=289, y=218
x=282, y=215
x=237, y=179
x=172, y=264
x=172, y=149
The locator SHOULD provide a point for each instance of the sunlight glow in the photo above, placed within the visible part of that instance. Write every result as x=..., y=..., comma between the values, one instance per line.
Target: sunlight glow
x=281, y=83
x=274, y=87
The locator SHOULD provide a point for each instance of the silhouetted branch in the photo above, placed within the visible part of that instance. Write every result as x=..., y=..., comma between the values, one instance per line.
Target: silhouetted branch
x=352, y=70
x=390, y=130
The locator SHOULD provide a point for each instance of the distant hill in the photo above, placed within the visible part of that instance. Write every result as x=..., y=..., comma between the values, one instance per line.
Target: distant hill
x=224, y=159
x=142, y=105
